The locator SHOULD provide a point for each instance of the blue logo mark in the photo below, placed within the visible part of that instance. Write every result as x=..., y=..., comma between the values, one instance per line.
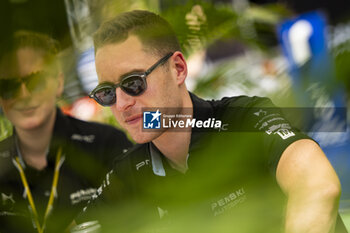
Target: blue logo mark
x=151, y=120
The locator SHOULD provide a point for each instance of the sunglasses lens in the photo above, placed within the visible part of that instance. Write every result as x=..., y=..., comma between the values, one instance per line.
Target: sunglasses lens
x=36, y=82
x=9, y=88
x=105, y=96
x=134, y=85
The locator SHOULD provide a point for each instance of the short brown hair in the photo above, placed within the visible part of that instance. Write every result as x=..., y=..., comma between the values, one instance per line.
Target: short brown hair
x=155, y=33
x=34, y=40
x=38, y=41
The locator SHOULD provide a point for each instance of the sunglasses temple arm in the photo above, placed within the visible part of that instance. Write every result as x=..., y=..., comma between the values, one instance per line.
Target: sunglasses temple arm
x=160, y=62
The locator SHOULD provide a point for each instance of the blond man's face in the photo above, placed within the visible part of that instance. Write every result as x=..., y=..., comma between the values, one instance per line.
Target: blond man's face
x=114, y=61
x=31, y=91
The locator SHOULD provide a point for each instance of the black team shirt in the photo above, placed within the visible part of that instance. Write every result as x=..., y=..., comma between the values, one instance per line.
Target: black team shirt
x=229, y=186
x=88, y=150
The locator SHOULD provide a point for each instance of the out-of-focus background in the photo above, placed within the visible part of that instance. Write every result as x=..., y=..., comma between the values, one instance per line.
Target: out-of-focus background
x=296, y=52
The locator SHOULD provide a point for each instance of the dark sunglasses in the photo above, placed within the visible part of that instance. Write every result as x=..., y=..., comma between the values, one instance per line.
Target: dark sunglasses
x=34, y=82
x=134, y=85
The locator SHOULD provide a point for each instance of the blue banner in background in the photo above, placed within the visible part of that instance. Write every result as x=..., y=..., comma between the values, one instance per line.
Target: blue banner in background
x=304, y=44
x=86, y=70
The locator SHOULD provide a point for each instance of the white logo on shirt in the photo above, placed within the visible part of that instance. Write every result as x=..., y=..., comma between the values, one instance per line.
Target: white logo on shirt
x=5, y=154
x=7, y=199
x=228, y=202
x=85, y=138
x=141, y=164
x=162, y=212
x=82, y=195
x=285, y=133
x=260, y=112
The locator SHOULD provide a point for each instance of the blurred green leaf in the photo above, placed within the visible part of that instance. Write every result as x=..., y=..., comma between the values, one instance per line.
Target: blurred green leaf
x=5, y=128
x=199, y=24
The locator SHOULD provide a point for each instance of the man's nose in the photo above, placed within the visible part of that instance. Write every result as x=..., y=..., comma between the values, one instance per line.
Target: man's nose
x=24, y=92
x=124, y=101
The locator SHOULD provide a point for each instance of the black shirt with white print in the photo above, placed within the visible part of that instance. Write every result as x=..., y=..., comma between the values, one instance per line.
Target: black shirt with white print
x=228, y=185
x=88, y=151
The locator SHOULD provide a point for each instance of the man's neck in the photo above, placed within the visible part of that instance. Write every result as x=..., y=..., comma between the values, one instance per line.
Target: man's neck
x=175, y=145
x=34, y=143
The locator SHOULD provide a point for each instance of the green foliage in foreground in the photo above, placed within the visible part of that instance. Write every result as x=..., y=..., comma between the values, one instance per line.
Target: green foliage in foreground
x=5, y=128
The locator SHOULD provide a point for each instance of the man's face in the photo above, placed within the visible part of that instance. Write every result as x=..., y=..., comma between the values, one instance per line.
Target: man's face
x=31, y=103
x=114, y=61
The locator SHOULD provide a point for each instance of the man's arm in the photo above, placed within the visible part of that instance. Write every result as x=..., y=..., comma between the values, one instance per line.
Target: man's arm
x=312, y=188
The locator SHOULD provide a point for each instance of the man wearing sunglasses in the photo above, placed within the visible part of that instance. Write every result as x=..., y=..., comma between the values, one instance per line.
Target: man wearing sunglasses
x=209, y=181
x=52, y=163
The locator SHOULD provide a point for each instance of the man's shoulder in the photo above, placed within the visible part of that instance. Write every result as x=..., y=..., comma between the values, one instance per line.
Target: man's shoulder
x=241, y=107
x=88, y=126
x=90, y=132
x=242, y=101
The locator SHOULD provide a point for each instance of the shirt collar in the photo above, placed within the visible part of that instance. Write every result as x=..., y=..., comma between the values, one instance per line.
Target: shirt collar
x=201, y=110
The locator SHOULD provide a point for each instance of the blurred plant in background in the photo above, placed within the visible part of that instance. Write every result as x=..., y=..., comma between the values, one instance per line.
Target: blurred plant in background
x=340, y=48
x=5, y=128
x=243, y=43
x=200, y=24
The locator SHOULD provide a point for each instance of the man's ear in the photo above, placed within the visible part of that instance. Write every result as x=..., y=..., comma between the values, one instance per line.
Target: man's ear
x=180, y=65
x=60, y=84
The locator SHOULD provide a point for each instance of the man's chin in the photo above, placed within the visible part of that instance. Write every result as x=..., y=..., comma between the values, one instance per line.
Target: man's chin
x=145, y=137
x=142, y=140
x=29, y=124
